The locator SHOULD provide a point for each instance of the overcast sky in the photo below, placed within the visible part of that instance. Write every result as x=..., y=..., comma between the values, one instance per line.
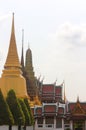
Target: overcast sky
x=56, y=33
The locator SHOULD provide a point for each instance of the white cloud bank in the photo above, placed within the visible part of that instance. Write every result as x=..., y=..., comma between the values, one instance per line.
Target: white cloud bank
x=65, y=58
x=72, y=35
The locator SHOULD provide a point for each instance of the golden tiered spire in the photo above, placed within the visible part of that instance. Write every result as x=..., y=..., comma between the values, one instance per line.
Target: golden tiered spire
x=12, y=77
x=12, y=57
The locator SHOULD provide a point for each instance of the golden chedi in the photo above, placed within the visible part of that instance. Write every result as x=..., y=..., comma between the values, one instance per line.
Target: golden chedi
x=12, y=76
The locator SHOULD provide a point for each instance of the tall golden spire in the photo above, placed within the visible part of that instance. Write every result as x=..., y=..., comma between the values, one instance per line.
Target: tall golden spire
x=12, y=76
x=12, y=57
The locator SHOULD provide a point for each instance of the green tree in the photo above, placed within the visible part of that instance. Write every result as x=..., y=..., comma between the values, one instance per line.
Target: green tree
x=25, y=111
x=29, y=110
x=6, y=117
x=19, y=118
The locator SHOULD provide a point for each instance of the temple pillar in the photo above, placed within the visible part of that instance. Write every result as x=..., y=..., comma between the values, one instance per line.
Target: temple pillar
x=55, y=122
x=36, y=124
x=44, y=122
x=62, y=124
x=71, y=125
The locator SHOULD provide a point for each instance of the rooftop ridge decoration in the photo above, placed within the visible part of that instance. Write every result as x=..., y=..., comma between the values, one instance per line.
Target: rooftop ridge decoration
x=12, y=57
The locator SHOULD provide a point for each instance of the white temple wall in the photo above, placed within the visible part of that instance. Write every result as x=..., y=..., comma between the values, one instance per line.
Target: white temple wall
x=30, y=128
x=48, y=128
x=4, y=127
x=14, y=127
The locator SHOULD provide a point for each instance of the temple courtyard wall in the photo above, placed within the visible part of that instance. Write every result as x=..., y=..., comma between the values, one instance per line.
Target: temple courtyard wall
x=5, y=127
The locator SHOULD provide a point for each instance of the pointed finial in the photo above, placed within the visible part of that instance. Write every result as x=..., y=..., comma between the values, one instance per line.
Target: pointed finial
x=42, y=79
x=13, y=14
x=77, y=98
x=28, y=45
x=12, y=21
x=55, y=81
x=22, y=37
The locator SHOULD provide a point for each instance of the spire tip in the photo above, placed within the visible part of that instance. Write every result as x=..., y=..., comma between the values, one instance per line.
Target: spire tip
x=13, y=13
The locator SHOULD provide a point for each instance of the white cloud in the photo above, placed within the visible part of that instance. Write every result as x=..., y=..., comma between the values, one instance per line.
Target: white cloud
x=69, y=43
x=72, y=35
x=65, y=58
x=2, y=17
x=65, y=51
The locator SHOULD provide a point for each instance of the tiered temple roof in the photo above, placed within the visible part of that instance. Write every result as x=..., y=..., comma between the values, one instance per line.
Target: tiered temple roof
x=51, y=93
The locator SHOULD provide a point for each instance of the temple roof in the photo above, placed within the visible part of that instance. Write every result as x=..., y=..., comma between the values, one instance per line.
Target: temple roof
x=77, y=108
x=12, y=57
x=51, y=88
x=48, y=88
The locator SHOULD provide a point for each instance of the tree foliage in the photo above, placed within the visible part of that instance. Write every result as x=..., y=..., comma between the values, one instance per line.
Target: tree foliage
x=15, y=108
x=29, y=110
x=6, y=117
x=26, y=112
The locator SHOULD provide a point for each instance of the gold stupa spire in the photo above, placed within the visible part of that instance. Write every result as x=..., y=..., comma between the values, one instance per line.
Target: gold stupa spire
x=12, y=76
x=12, y=57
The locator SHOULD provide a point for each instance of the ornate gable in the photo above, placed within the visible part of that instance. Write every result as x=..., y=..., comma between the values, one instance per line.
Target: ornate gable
x=78, y=110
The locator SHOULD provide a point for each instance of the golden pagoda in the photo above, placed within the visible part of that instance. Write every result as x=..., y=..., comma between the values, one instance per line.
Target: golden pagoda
x=12, y=76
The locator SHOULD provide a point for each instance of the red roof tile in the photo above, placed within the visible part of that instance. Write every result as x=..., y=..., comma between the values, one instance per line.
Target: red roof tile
x=48, y=89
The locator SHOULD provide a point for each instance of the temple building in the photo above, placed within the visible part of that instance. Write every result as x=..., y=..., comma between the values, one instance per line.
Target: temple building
x=50, y=108
x=59, y=116
x=55, y=112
